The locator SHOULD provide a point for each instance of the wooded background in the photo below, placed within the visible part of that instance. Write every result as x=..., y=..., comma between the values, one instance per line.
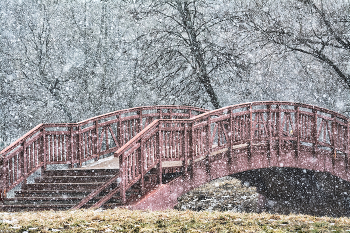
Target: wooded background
x=66, y=61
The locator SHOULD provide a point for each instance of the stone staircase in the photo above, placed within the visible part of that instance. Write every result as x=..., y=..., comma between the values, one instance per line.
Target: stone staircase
x=63, y=189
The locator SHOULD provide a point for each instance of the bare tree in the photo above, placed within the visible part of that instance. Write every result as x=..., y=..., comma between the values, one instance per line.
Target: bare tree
x=320, y=30
x=188, y=52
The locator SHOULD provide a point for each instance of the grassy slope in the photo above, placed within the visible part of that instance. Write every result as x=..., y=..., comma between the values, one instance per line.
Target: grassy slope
x=121, y=220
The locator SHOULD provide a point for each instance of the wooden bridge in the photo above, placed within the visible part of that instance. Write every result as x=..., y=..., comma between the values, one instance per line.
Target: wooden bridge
x=162, y=152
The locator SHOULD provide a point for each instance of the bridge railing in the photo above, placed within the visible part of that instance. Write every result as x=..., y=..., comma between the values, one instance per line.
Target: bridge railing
x=250, y=125
x=76, y=143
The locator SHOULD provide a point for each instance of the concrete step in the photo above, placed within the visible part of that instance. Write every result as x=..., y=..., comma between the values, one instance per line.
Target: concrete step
x=73, y=179
x=63, y=186
x=80, y=172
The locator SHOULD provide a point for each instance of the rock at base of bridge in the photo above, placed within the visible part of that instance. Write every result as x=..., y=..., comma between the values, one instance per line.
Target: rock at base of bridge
x=224, y=194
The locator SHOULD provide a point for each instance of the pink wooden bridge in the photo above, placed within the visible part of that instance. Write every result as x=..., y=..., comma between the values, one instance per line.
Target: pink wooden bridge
x=193, y=144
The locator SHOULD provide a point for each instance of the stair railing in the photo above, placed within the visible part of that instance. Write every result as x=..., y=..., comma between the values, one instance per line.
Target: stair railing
x=76, y=143
x=245, y=126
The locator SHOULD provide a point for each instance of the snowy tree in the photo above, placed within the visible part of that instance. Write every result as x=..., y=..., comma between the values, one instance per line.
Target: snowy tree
x=187, y=50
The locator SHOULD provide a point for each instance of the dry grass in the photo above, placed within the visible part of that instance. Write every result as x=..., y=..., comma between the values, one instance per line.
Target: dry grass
x=121, y=220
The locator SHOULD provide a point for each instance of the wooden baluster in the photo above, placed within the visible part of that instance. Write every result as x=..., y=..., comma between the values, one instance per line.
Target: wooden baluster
x=139, y=123
x=159, y=153
x=184, y=147
x=119, y=132
x=207, y=142
x=314, y=132
x=347, y=137
x=24, y=152
x=142, y=155
x=58, y=148
x=166, y=140
x=80, y=146
x=122, y=166
x=279, y=128
x=3, y=179
x=251, y=131
x=269, y=131
x=106, y=134
x=37, y=151
x=231, y=135
x=70, y=147
x=297, y=129
x=191, y=147
x=333, y=137
x=95, y=141
x=64, y=148
x=15, y=168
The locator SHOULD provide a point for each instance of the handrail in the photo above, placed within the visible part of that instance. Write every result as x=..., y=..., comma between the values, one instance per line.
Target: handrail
x=272, y=122
x=75, y=143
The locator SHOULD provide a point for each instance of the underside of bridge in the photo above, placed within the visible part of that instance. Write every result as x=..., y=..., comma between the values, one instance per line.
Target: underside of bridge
x=294, y=190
